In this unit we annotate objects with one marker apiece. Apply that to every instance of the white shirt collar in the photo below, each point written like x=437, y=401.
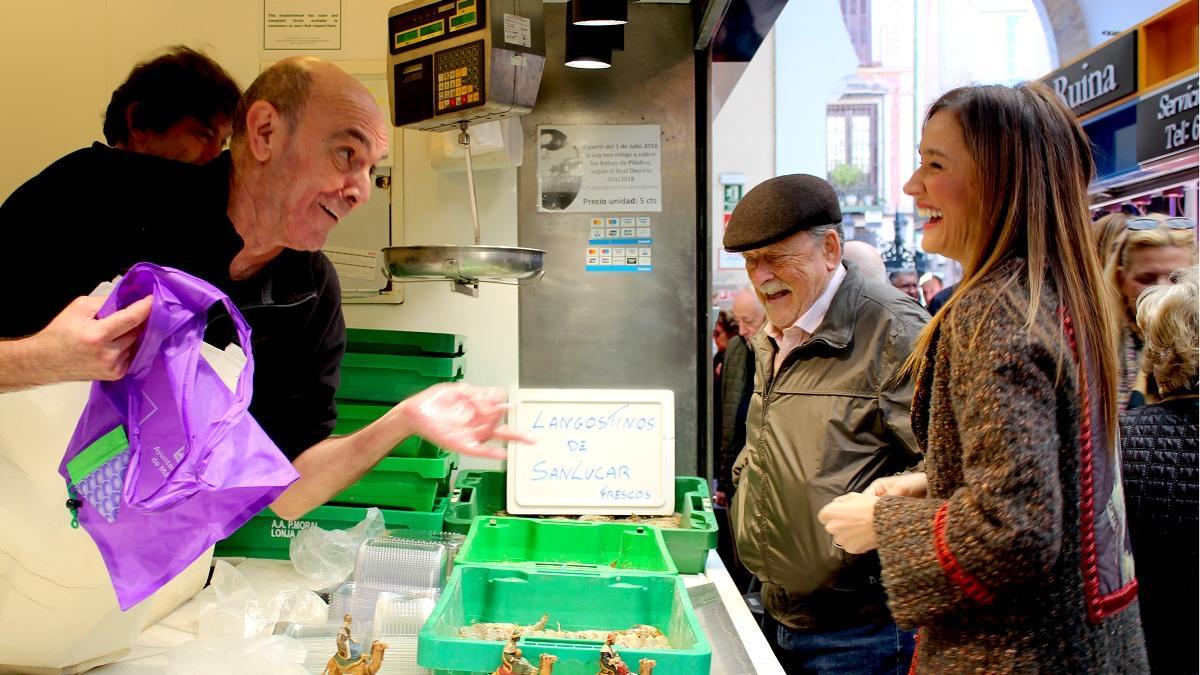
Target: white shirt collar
x=811, y=320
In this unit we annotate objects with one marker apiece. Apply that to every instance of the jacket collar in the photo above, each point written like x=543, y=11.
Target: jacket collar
x=838, y=327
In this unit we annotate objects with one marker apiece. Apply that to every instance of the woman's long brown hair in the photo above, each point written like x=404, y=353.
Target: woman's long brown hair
x=1033, y=164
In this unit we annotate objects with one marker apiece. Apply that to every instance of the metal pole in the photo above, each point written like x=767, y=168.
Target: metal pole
x=465, y=139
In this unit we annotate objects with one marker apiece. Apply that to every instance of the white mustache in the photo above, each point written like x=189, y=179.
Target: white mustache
x=774, y=286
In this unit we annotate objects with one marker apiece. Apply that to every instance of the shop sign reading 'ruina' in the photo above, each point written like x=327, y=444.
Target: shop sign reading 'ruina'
x=1168, y=120
x=1106, y=75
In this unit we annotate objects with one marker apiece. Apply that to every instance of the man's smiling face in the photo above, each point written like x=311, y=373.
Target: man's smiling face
x=325, y=170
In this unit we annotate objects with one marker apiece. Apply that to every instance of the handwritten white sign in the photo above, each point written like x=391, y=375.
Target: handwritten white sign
x=597, y=452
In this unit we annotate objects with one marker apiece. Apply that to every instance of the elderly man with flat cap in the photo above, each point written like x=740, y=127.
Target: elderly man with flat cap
x=829, y=414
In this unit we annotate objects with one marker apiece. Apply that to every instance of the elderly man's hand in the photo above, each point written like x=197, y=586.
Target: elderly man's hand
x=76, y=345
x=850, y=518
x=461, y=418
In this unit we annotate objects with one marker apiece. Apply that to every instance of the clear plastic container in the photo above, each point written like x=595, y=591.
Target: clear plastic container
x=398, y=621
x=402, y=563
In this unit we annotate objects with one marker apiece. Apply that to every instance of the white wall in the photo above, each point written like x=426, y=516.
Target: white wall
x=61, y=59
x=813, y=57
x=743, y=138
x=1102, y=15
x=435, y=210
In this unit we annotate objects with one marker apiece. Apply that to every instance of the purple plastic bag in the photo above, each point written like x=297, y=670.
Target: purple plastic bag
x=167, y=460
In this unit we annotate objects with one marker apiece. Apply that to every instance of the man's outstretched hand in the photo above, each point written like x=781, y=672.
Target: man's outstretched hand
x=461, y=418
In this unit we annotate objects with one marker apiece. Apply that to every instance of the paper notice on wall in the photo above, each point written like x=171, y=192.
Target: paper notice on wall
x=517, y=30
x=601, y=167
x=302, y=24
x=353, y=263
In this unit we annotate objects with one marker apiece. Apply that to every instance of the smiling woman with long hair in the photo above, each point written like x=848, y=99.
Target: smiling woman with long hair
x=1011, y=552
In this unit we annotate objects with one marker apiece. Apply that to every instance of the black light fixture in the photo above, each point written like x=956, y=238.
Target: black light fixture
x=613, y=36
x=587, y=47
x=598, y=12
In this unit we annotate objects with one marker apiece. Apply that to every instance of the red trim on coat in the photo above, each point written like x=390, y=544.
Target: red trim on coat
x=1099, y=606
x=912, y=668
x=972, y=587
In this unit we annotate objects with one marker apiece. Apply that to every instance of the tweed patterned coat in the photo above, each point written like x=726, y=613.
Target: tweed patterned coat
x=1000, y=565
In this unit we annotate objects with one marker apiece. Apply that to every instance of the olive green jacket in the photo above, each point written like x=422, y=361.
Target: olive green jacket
x=832, y=420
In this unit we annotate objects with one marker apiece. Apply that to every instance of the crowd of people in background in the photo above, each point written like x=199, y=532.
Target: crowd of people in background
x=1052, y=522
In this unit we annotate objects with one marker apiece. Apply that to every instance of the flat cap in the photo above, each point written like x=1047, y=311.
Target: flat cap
x=778, y=208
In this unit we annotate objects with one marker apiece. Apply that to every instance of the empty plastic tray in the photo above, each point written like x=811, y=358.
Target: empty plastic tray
x=483, y=493
x=401, y=342
x=412, y=483
x=385, y=378
x=634, y=549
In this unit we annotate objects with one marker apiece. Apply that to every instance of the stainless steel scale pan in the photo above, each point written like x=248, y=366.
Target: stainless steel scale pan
x=466, y=266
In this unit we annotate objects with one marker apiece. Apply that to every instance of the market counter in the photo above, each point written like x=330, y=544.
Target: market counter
x=738, y=645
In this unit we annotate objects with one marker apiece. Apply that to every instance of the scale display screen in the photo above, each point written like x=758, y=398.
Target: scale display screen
x=435, y=22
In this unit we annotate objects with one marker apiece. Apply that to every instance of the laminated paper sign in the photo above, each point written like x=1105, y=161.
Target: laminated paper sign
x=599, y=167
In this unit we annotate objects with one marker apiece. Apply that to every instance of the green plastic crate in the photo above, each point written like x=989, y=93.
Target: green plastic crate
x=476, y=493
x=268, y=536
x=385, y=378
x=574, y=601
x=483, y=493
x=628, y=547
x=410, y=483
x=690, y=543
x=402, y=342
x=354, y=415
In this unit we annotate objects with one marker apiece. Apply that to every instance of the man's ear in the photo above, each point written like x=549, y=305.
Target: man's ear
x=831, y=247
x=264, y=130
x=136, y=135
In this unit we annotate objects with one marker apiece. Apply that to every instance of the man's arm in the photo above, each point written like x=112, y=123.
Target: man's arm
x=457, y=417
x=74, y=346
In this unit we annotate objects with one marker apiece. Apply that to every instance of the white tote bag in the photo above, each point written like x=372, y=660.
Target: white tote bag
x=57, y=605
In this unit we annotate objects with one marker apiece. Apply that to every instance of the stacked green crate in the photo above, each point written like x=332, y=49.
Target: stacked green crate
x=483, y=493
x=411, y=485
x=380, y=369
x=269, y=536
x=389, y=366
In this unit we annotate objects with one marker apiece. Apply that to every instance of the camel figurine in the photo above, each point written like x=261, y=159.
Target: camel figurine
x=513, y=662
x=349, y=659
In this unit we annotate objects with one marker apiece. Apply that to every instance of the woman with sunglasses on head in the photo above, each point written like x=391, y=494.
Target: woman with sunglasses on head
x=1159, y=459
x=1010, y=553
x=1145, y=252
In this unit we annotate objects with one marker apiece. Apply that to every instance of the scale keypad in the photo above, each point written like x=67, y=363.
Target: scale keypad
x=459, y=77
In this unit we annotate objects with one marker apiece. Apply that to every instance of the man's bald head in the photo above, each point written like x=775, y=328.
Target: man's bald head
x=289, y=84
x=748, y=312
x=307, y=140
x=867, y=258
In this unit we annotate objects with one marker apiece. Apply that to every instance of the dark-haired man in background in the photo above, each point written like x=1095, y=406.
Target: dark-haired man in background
x=178, y=106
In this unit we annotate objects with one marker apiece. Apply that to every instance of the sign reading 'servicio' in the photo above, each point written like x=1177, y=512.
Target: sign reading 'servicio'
x=1168, y=120
x=1106, y=75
